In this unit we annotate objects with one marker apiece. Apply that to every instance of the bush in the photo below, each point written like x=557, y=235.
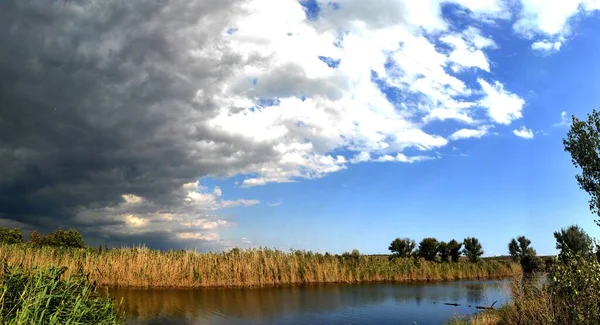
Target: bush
x=472, y=249
x=58, y=238
x=428, y=248
x=41, y=297
x=575, y=288
x=10, y=235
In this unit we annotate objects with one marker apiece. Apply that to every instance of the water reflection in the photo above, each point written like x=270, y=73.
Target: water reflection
x=392, y=303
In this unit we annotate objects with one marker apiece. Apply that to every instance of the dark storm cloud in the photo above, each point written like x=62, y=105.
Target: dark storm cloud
x=98, y=99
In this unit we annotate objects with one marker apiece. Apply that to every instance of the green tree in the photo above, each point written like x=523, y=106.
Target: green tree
x=58, y=238
x=573, y=239
x=10, y=235
x=443, y=251
x=521, y=251
x=402, y=247
x=428, y=248
x=454, y=248
x=473, y=249
x=583, y=143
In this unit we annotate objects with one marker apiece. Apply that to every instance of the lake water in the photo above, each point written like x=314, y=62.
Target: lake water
x=381, y=303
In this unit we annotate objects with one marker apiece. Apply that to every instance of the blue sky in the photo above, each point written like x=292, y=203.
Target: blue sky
x=318, y=125
x=494, y=188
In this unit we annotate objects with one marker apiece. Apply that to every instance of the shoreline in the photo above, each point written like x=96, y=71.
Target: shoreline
x=288, y=285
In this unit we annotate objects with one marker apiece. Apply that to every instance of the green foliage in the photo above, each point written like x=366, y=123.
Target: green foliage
x=454, y=249
x=574, y=240
x=521, y=251
x=42, y=297
x=428, y=248
x=402, y=247
x=58, y=238
x=472, y=249
x=575, y=288
x=583, y=143
x=10, y=235
x=443, y=251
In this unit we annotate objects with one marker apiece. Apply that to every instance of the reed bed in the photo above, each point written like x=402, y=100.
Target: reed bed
x=141, y=267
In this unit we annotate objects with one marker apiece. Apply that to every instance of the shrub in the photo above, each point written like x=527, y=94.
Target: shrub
x=10, y=235
x=402, y=247
x=58, y=238
x=575, y=288
x=428, y=248
x=454, y=250
x=42, y=297
x=472, y=249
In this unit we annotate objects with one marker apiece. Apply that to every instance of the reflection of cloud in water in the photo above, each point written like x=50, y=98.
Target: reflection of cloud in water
x=272, y=304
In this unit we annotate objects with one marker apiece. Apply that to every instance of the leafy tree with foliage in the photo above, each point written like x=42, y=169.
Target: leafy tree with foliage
x=521, y=251
x=10, y=235
x=443, y=251
x=402, y=247
x=573, y=239
x=583, y=143
x=58, y=238
x=428, y=248
x=454, y=248
x=473, y=249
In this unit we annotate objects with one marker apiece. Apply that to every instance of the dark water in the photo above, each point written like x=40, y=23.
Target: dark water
x=420, y=303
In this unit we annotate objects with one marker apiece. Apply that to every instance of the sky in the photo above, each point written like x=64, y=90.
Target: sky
x=318, y=125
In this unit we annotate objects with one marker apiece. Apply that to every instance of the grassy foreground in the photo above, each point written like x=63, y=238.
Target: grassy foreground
x=145, y=268
x=44, y=296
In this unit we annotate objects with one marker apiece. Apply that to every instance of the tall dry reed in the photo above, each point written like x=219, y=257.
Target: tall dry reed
x=146, y=268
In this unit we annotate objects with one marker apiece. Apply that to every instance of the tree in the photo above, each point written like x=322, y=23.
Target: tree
x=598, y=252
x=583, y=143
x=428, y=248
x=443, y=251
x=517, y=248
x=454, y=250
x=472, y=249
x=10, y=235
x=58, y=238
x=521, y=251
x=574, y=240
x=402, y=247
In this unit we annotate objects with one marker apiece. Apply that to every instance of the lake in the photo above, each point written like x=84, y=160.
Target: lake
x=379, y=303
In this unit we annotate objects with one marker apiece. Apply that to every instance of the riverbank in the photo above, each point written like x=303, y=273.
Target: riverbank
x=141, y=267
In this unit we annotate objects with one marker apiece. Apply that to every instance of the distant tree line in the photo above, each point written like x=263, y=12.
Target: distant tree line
x=431, y=250
x=570, y=241
x=57, y=238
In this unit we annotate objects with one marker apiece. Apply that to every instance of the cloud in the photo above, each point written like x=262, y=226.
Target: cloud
x=470, y=133
x=546, y=46
x=564, y=120
x=112, y=110
x=503, y=107
x=551, y=19
x=524, y=133
x=275, y=204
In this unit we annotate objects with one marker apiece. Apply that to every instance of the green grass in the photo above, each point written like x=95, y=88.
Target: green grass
x=46, y=296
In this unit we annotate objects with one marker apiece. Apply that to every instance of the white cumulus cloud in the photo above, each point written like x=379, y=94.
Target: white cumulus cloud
x=524, y=133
